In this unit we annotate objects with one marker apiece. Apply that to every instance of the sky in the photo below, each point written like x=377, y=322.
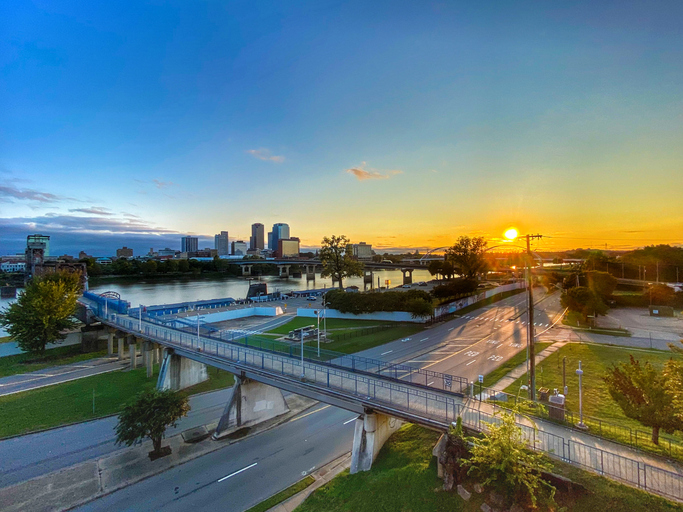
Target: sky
x=401, y=124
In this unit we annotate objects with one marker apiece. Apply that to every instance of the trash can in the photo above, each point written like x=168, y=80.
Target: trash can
x=543, y=394
x=556, y=407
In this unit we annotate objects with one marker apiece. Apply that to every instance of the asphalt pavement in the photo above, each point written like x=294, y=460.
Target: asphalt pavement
x=243, y=474
x=478, y=342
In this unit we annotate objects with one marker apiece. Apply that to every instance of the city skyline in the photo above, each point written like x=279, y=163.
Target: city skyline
x=431, y=121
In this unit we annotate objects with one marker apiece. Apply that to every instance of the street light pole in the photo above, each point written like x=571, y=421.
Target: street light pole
x=581, y=425
x=530, y=318
x=317, y=314
x=303, y=374
x=140, y=322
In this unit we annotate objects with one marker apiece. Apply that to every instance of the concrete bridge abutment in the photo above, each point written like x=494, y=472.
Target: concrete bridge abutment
x=178, y=372
x=284, y=270
x=310, y=272
x=407, y=275
x=250, y=403
x=372, y=430
x=246, y=270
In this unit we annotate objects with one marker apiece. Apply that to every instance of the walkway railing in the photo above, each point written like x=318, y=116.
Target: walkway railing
x=398, y=394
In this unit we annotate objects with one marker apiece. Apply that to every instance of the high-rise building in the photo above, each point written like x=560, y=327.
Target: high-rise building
x=270, y=240
x=239, y=248
x=280, y=231
x=362, y=251
x=221, y=244
x=124, y=252
x=37, y=248
x=189, y=244
x=287, y=248
x=256, y=240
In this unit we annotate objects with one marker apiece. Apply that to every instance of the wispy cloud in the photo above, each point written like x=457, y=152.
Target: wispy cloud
x=94, y=210
x=163, y=184
x=264, y=154
x=59, y=223
x=9, y=193
x=371, y=174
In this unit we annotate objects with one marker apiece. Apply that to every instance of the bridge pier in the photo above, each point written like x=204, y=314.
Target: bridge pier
x=133, y=348
x=407, y=275
x=119, y=342
x=110, y=341
x=178, y=372
x=371, y=432
x=368, y=277
x=284, y=270
x=250, y=403
x=148, y=357
x=310, y=272
x=246, y=270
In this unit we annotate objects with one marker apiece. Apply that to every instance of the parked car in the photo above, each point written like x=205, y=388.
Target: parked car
x=422, y=283
x=311, y=298
x=405, y=286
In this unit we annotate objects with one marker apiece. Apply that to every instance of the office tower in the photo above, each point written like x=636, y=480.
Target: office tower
x=287, y=248
x=256, y=240
x=280, y=231
x=239, y=248
x=270, y=240
x=362, y=251
x=124, y=252
x=37, y=248
x=221, y=244
x=189, y=244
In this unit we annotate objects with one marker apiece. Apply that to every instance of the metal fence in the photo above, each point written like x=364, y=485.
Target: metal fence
x=623, y=434
x=617, y=467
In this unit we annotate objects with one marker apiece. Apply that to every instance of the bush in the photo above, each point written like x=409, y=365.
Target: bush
x=417, y=302
x=455, y=288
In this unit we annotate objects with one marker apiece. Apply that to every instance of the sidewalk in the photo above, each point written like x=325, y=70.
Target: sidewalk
x=515, y=374
x=89, y=480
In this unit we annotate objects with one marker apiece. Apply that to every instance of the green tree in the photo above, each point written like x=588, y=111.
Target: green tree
x=335, y=256
x=602, y=283
x=43, y=311
x=183, y=266
x=583, y=300
x=149, y=415
x=435, y=267
x=641, y=393
x=467, y=256
x=502, y=461
x=149, y=267
x=660, y=295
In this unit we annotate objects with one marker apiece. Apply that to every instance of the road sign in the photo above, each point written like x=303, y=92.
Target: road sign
x=481, y=379
x=447, y=382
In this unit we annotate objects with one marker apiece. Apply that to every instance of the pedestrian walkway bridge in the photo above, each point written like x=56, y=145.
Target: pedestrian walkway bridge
x=367, y=386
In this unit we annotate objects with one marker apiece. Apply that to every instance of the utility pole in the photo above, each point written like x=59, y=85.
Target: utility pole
x=657, y=270
x=530, y=318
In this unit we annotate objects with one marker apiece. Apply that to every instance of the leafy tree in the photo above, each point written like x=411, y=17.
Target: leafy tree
x=435, y=267
x=148, y=416
x=467, y=256
x=602, y=283
x=455, y=288
x=502, y=461
x=335, y=256
x=641, y=392
x=660, y=294
x=43, y=311
x=149, y=267
x=584, y=301
x=183, y=266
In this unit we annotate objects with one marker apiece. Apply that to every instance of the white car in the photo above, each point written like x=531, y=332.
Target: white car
x=405, y=286
x=311, y=298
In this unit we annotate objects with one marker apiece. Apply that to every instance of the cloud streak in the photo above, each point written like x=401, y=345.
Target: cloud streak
x=372, y=174
x=264, y=154
x=9, y=193
x=94, y=210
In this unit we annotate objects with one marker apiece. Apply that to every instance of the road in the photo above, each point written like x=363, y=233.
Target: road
x=243, y=474
x=475, y=344
x=29, y=456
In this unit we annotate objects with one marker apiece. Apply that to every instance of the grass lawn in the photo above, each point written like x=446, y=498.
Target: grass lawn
x=343, y=333
x=5, y=339
x=596, y=400
x=73, y=401
x=575, y=319
x=403, y=478
x=23, y=363
x=511, y=364
x=282, y=495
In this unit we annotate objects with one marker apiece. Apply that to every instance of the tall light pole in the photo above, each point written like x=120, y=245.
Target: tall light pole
x=140, y=322
x=580, y=425
x=303, y=373
x=511, y=234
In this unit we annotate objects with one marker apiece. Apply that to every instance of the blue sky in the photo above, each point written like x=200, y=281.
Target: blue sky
x=403, y=124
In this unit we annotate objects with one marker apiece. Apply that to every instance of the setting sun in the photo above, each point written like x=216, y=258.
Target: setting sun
x=511, y=234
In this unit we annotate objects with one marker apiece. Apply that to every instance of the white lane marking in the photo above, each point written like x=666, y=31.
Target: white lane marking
x=424, y=339
x=430, y=383
x=349, y=421
x=423, y=361
x=451, y=328
x=387, y=352
x=406, y=339
x=472, y=361
x=309, y=413
x=237, y=472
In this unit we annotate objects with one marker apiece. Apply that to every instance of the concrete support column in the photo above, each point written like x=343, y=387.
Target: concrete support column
x=250, y=403
x=110, y=343
x=179, y=372
x=371, y=432
x=246, y=270
x=132, y=348
x=407, y=275
x=148, y=352
x=310, y=272
x=119, y=343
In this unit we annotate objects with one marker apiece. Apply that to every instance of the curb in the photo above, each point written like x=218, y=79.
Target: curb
x=322, y=476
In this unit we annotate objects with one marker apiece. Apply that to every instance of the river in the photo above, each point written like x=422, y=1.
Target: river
x=167, y=291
